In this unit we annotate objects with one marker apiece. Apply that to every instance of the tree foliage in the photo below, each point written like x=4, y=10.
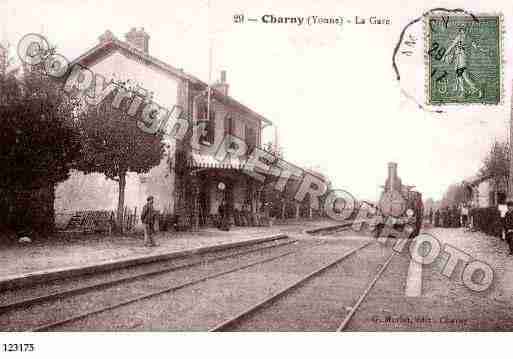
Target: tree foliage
x=455, y=195
x=114, y=145
x=40, y=144
x=496, y=163
x=38, y=132
x=271, y=148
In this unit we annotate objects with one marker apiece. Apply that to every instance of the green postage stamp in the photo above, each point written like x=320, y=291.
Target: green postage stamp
x=464, y=59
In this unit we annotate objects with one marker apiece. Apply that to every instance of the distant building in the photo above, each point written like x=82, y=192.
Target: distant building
x=486, y=191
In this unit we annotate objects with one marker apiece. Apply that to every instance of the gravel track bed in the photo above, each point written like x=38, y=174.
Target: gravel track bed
x=202, y=306
x=454, y=307
x=321, y=303
x=382, y=308
x=444, y=305
x=13, y=295
x=42, y=313
x=361, y=231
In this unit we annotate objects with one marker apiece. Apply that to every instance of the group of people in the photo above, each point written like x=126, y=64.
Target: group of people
x=508, y=226
x=450, y=216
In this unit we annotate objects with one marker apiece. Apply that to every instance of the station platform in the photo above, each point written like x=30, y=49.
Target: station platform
x=70, y=255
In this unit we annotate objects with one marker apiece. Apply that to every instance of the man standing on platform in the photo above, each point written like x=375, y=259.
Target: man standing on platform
x=437, y=217
x=508, y=226
x=464, y=215
x=148, y=219
x=225, y=216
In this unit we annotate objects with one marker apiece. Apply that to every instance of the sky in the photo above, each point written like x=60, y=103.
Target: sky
x=330, y=90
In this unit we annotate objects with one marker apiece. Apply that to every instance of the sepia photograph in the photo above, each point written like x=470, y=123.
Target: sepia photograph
x=169, y=168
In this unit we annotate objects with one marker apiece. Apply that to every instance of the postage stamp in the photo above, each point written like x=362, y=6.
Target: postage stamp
x=464, y=59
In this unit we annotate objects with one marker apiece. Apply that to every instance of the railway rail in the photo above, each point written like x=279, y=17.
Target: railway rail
x=253, y=310
x=125, y=279
x=148, y=295
x=26, y=303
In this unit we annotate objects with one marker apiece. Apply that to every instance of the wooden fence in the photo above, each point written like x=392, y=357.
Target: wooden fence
x=90, y=221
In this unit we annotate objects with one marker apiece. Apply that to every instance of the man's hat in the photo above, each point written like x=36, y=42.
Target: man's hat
x=509, y=202
x=149, y=198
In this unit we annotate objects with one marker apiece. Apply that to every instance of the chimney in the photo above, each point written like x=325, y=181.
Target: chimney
x=392, y=180
x=139, y=39
x=106, y=36
x=221, y=85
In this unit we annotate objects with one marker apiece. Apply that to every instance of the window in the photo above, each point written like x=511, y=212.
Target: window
x=251, y=139
x=491, y=198
x=229, y=130
x=208, y=134
x=501, y=198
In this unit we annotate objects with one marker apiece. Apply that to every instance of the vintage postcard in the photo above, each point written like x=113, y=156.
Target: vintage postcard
x=238, y=166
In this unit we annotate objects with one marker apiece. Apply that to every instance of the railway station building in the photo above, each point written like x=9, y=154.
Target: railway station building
x=189, y=182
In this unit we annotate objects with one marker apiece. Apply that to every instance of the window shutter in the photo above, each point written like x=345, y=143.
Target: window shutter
x=209, y=134
x=228, y=125
x=211, y=127
x=250, y=138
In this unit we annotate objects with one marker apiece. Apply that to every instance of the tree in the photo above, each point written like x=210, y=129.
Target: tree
x=455, y=195
x=271, y=148
x=496, y=163
x=113, y=144
x=40, y=144
x=429, y=204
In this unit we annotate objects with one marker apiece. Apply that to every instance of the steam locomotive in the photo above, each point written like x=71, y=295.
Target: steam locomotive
x=399, y=206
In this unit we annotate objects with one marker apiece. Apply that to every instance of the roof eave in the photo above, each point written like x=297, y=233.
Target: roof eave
x=82, y=60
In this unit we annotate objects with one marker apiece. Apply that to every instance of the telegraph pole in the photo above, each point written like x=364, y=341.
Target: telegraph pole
x=4, y=51
x=510, y=176
x=209, y=64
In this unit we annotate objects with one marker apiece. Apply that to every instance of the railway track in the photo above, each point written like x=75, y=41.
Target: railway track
x=362, y=297
x=267, y=303
x=27, y=303
x=59, y=294
x=148, y=295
